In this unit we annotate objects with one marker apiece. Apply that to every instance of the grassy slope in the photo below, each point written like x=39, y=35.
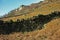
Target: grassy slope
x=45, y=8
x=50, y=32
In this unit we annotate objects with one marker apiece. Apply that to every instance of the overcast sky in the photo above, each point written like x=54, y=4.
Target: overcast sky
x=8, y=5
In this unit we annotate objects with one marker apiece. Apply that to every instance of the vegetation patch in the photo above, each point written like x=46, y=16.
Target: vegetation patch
x=27, y=25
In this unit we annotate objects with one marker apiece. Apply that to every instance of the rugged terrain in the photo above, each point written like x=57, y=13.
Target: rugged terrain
x=38, y=21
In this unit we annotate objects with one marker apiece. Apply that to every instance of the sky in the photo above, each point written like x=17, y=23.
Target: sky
x=8, y=5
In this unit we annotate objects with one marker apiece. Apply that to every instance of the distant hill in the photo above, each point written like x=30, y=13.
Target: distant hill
x=28, y=11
